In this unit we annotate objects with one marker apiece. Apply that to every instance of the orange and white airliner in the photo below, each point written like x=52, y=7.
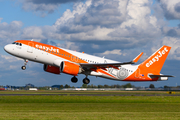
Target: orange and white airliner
x=59, y=60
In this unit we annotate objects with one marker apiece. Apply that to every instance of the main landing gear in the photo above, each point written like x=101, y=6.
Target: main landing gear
x=74, y=79
x=24, y=66
x=85, y=80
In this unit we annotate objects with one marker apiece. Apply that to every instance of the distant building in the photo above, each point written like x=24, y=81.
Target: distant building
x=35, y=89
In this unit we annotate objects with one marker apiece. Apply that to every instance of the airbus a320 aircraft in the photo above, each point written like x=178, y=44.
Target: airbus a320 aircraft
x=59, y=60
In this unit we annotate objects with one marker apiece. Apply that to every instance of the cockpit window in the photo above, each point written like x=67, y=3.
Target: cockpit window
x=19, y=44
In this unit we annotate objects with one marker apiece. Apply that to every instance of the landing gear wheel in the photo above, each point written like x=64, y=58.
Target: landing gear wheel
x=74, y=79
x=86, y=81
x=25, y=63
x=23, y=67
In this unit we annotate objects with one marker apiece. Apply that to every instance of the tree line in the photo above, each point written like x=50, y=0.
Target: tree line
x=128, y=85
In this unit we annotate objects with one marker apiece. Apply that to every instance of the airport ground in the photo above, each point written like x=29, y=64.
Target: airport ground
x=89, y=105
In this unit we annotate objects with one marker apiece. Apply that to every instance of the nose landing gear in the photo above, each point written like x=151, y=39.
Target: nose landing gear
x=24, y=66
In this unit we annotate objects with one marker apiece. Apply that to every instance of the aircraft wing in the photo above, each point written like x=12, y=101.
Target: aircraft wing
x=103, y=65
x=89, y=66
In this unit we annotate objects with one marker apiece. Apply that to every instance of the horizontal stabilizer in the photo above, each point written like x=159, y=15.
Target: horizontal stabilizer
x=161, y=76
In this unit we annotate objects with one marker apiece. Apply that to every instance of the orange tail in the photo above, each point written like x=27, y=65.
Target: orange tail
x=155, y=62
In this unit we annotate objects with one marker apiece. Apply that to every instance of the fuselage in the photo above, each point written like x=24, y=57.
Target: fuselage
x=52, y=55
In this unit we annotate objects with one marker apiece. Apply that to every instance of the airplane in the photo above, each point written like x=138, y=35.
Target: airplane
x=59, y=60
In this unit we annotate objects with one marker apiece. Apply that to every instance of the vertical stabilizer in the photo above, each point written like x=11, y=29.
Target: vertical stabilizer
x=156, y=61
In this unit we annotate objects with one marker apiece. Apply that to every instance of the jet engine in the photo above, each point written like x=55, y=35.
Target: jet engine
x=51, y=69
x=70, y=68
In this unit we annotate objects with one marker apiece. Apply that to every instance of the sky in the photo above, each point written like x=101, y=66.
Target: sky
x=116, y=29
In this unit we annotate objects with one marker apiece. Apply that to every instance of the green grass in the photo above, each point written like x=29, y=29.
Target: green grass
x=89, y=107
x=89, y=92
x=59, y=107
x=89, y=99
x=83, y=111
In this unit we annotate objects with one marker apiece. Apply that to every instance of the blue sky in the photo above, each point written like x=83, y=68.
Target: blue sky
x=97, y=27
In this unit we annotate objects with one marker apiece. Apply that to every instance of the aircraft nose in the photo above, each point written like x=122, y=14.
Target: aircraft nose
x=7, y=48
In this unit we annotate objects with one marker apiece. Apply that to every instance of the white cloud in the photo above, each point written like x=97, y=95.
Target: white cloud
x=43, y=7
x=174, y=43
x=128, y=22
x=171, y=31
x=9, y=32
x=171, y=8
x=33, y=33
x=115, y=52
x=105, y=25
x=95, y=46
x=69, y=45
x=9, y=62
x=10, y=58
x=0, y=19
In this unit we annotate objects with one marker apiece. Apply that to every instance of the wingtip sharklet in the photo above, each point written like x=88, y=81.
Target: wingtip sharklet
x=135, y=60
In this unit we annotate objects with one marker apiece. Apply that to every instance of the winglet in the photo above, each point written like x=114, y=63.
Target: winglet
x=137, y=58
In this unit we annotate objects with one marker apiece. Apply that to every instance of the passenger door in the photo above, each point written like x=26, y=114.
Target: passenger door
x=30, y=47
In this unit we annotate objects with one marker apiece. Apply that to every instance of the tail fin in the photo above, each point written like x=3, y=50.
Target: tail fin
x=156, y=61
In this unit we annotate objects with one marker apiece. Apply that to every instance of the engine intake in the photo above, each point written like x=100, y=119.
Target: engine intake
x=70, y=68
x=51, y=69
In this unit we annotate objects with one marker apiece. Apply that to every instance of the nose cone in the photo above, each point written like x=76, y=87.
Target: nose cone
x=7, y=48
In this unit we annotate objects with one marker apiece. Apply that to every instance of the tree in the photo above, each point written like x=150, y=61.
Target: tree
x=61, y=86
x=67, y=86
x=100, y=86
x=128, y=85
x=84, y=86
x=151, y=86
x=119, y=86
x=106, y=86
x=166, y=87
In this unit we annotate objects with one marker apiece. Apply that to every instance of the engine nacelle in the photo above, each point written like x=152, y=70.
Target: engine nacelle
x=51, y=69
x=70, y=68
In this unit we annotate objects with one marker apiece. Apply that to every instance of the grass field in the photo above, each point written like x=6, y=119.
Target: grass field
x=89, y=107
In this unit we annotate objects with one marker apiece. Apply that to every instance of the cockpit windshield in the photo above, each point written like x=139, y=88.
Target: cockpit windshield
x=19, y=44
